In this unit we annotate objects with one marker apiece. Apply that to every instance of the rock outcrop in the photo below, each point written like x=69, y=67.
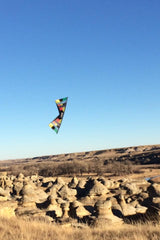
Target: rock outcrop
x=93, y=200
x=104, y=214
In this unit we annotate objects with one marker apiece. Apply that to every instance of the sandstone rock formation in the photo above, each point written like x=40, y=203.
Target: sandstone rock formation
x=104, y=214
x=93, y=200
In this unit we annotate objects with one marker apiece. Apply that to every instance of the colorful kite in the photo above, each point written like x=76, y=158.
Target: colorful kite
x=61, y=105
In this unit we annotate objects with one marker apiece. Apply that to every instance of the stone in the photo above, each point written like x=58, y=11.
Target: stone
x=104, y=214
x=3, y=176
x=142, y=184
x=84, y=200
x=141, y=209
x=156, y=202
x=32, y=195
x=65, y=210
x=156, y=188
x=78, y=210
x=144, y=195
x=28, y=211
x=8, y=183
x=132, y=188
x=59, y=181
x=17, y=187
x=67, y=193
x=20, y=177
x=4, y=193
x=81, y=183
x=55, y=186
x=97, y=189
x=34, y=178
x=155, y=179
x=7, y=209
x=126, y=209
x=73, y=183
x=110, y=184
x=54, y=206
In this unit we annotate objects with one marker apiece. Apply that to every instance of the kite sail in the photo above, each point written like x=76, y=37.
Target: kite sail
x=61, y=105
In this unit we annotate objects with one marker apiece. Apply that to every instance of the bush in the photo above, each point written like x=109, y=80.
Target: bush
x=120, y=168
x=67, y=168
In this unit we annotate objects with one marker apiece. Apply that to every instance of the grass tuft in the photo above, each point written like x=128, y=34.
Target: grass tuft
x=18, y=229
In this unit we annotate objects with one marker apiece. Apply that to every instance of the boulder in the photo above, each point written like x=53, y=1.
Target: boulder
x=140, y=209
x=156, y=188
x=7, y=209
x=8, y=183
x=34, y=178
x=81, y=183
x=59, y=181
x=67, y=193
x=17, y=187
x=104, y=214
x=32, y=195
x=28, y=212
x=132, y=188
x=20, y=177
x=97, y=189
x=111, y=184
x=156, y=202
x=115, y=206
x=65, y=211
x=54, y=206
x=55, y=186
x=142, y=184
x=155, y=179
x=73, y=183
x=126, y=209
x=144, y=195
x=78, y=210
x=4, y=193
x=3, y=176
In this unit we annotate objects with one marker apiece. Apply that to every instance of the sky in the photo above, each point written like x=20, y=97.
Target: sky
x=103, y=55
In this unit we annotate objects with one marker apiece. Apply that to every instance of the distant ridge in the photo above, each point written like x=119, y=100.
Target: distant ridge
x=146, y=154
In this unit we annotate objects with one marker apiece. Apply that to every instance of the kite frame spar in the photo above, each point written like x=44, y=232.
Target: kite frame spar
x=61, y=105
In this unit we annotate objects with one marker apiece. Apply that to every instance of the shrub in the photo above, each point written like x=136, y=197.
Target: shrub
x=120, y=168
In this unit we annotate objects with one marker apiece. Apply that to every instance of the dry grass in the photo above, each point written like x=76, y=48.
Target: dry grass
x=138, y=161
x=32, y=230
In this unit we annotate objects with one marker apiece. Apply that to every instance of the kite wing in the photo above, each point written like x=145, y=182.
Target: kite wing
x=61, y=105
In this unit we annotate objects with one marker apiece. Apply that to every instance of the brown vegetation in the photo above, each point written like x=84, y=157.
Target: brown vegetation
x=73, y=168
x=32, y=230
x=113, y=162
x=43, y=207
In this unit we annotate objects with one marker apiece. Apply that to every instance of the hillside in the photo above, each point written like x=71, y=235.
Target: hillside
x=125, y=160
x=101, y=194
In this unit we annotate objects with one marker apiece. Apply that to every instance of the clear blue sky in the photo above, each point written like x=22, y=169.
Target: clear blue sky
x=104, y=55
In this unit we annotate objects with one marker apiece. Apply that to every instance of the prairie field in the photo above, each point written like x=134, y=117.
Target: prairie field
x=133, y=163
x=18, y=229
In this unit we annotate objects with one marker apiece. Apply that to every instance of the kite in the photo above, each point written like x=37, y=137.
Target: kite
x=61, y=105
